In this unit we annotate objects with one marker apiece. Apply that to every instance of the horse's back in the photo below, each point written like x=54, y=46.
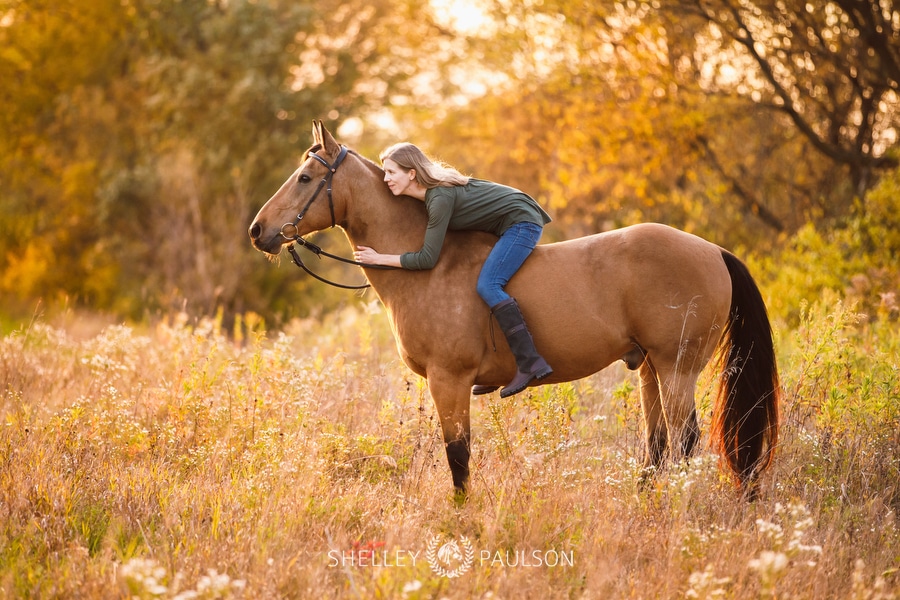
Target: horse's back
x=591, y=299
x=632, y=263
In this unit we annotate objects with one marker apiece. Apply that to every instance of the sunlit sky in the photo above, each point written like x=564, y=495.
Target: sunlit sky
x=465, y=16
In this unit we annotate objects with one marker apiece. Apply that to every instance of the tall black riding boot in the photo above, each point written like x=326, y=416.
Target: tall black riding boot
x=531, y=365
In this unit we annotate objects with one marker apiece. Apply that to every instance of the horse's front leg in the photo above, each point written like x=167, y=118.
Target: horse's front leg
x=450, y=392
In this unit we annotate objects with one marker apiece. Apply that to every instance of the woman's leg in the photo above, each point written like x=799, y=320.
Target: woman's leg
x=502, y=263
x=505, y=258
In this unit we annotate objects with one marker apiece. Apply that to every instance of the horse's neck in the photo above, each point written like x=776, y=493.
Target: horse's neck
x=396, y=224
x=376, y=218
x=389, y=225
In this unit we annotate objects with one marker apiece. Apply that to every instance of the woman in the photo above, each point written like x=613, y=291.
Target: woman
x=454, y=201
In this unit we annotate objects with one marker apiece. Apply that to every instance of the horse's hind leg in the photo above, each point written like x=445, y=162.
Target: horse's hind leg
x=677, y=388
x=670, y=418
x=451, y=398
x=655, y=434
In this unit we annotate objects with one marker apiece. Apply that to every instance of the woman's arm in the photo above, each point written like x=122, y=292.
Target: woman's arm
x=439, y=212
x=368, y=256
x=440, y=205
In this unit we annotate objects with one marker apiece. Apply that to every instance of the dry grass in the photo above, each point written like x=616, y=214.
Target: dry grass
x=182, y=462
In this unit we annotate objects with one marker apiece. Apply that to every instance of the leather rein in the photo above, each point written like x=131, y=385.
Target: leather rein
x=326, y=181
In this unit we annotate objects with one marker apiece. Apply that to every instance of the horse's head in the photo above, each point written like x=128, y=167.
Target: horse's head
x=305, y=202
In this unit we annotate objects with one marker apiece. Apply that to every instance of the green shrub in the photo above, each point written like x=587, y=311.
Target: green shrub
x=858, y=259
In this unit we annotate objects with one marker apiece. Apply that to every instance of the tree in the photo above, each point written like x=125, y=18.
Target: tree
x=633, y=113
x=833, y=69
x=140, y=136
x=595, y=121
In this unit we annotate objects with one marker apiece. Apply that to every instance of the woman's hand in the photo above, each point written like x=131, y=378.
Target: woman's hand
x=368, y=256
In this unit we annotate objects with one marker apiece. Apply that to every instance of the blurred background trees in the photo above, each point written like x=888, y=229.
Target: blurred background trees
x=139, y=137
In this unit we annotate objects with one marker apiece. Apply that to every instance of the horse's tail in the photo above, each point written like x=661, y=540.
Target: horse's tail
x=745, y=416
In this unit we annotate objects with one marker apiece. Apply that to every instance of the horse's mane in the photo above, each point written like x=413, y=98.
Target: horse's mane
x=367, y=161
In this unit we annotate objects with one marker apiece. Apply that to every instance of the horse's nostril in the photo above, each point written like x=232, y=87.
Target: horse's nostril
x=255, y=230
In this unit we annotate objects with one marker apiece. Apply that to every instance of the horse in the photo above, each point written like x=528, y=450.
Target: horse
x=664, y=301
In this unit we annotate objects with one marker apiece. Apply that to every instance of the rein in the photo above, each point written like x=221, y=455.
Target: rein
x=327, y=180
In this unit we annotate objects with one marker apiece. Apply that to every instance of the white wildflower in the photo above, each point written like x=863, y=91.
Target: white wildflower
x=705, y=584
x=769, y=562
x=145, y=576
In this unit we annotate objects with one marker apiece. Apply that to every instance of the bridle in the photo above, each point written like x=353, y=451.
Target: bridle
x=295, y=237
x=329, y=177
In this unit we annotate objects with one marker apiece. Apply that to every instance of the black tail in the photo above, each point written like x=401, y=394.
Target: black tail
x=745, y=416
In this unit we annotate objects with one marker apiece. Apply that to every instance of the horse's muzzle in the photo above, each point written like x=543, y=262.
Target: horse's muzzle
x=271, y=246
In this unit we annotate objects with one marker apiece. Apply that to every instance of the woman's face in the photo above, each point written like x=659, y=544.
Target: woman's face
x=398, y=179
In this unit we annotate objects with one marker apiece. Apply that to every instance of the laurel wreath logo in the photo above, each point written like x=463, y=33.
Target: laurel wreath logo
x=440, y=558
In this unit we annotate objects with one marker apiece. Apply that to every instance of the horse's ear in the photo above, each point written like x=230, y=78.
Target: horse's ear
x=317, y=129
x=328, y=141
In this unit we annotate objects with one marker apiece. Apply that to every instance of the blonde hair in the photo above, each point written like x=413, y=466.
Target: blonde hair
x=429, y=173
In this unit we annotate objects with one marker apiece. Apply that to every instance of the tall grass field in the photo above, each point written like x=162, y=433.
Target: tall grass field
x=181, y=460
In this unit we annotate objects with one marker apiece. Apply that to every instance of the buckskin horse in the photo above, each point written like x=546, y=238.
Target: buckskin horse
x=662, y=300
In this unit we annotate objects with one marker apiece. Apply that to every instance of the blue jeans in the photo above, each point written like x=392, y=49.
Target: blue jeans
x=508, y=254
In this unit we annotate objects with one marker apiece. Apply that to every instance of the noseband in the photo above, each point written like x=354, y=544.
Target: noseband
x=295, y=237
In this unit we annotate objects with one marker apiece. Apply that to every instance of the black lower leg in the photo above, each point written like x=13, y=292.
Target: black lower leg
x=458, y=457
x=691, y=435
x=657, y=445
x=655, y=453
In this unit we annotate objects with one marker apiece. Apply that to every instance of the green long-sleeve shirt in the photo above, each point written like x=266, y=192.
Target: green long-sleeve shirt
x=479, y=205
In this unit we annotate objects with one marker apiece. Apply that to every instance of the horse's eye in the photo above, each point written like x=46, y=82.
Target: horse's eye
x=304, y=179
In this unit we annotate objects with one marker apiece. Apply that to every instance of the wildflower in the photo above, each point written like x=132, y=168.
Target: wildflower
x=866, y=590
x=705, y=584
x=769, y=562
x=771, y=566
x=412, y=586
x=772, y=530
x=145, y=576
x=213, y=585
